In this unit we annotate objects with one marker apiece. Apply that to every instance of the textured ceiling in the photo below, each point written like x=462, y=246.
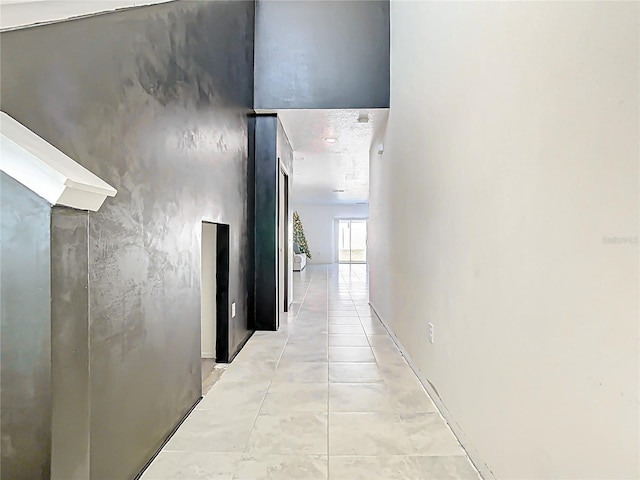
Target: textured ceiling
x=320, y=167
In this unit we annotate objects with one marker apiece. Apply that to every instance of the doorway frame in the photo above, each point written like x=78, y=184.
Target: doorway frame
x=284, y=302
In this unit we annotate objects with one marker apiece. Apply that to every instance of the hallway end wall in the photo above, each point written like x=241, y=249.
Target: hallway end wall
x=318, y=221
x=505, y=211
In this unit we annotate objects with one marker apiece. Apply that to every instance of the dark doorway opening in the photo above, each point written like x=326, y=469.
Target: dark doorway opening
x=214, y=299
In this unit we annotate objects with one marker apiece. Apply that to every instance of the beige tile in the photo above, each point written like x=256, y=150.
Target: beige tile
x=304, y=353
x=337, y=305
x=374, y=328
x=373, y=468
x=258, y=353
x=351, y=354
x=367, y=434
x=355, y=373
x=429, y=434
x=445, y=468
x=409, y=394
x=282, y=467
x=398, y=372
x=365, y=310
x=213, y=431
x=308, y=339
x=192, y=466
x=303, y=329
x=343, y=313
x=248, y=372
x=360, y=397
x=345, y=329
x=385, y=355
x=301, y=372
x=289, y=433
x=348, y=341
x=242, y=396
x=295, y=397
x=344, y=321
x=381, y=340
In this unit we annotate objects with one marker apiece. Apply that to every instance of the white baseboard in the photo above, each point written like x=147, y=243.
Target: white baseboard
x=472, y=453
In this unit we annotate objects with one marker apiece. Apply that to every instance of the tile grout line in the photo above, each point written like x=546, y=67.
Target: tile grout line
x=328, y=370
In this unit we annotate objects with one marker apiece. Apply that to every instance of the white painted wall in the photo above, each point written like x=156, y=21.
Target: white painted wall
x=511, y=160
x=320, y=230
x=208, y=290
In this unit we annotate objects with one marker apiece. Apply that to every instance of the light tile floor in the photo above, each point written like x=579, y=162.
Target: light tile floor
x=329, y=396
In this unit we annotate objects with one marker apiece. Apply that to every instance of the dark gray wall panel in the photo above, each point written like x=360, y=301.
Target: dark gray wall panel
x=271, y=147
x=266, y=226
x=155, y=101
x=25, y=333
x=322, y=54
x=69, y=345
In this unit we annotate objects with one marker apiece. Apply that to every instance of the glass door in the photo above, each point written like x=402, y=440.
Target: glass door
x=352, y=241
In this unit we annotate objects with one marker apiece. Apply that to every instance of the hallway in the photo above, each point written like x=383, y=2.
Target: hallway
x=327, y=396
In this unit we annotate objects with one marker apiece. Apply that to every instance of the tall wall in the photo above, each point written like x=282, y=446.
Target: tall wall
x=25, y=332
x=510, y=175
x=154, y=101
x=319, y=222
x=322, y=54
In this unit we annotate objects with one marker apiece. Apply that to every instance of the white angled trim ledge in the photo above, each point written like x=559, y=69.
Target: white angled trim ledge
x=47, y=171
x=16, y=14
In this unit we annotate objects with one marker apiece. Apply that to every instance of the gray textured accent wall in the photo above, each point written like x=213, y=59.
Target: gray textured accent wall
x=25, y=333
x=154, y=101
x=322, y=54
x=70, y=408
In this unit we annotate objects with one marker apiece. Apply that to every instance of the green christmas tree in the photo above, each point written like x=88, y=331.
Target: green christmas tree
x=298, y=235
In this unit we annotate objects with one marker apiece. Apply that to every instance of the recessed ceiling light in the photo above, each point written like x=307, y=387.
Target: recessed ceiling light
x=331, y=140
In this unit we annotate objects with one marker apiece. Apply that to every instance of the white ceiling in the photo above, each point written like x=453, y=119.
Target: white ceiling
x=320, y=167
x=22, y=13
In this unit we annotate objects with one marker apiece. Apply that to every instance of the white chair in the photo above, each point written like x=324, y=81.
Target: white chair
x=299, y=262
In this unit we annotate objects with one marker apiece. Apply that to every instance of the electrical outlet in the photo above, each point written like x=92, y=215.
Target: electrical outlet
x=431, y=332
x=233, y=311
